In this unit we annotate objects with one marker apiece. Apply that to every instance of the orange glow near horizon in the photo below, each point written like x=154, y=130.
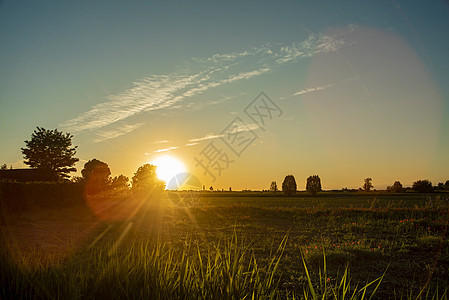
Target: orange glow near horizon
x=168, y=167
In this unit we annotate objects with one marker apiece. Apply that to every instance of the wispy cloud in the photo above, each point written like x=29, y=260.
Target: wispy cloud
x=209, y=136
x=171, y=90
x=147, y=94
x=161, y=142
x=169, y=148
x=103, y=135
x=166, y=149
x=322, y=87
x=237, y=55
x=198, y=106
x=246, y=75
x=242, y=127
x=314, y=89
x=313, y=45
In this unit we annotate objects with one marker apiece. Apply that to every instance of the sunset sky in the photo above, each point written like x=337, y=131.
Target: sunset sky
x=351, y=89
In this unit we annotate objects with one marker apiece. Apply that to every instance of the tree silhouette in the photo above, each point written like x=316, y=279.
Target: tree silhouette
x=397, y=187
x=289, y=185
x=273, y=187
x=96, y=174
x=422, y=186
x=120, y=183
x=367, y=186
x=4, y=167
x=145, y=179
x=313, y=184
x=51, y=152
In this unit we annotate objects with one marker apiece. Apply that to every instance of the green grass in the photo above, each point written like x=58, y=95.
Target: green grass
x=160, y=272
x=187, y=246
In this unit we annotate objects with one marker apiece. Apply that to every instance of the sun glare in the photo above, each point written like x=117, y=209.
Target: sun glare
x=168, y=167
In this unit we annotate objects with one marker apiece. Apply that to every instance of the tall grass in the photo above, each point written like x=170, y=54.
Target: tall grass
x=146, y=271
x=339, y=289
x=228, y=270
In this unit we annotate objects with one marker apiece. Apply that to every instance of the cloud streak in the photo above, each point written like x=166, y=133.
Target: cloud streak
x=322, y=87
x=191, y=144
x=103, y=135
x=166, y=149
x=314, y=89
x=209, y=136
x=171, y=90
x=161, y=142
x=241, y=127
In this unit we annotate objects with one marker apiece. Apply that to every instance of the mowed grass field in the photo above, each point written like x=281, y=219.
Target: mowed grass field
x=230, y=245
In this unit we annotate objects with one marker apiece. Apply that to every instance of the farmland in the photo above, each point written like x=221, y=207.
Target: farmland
x=229, y=245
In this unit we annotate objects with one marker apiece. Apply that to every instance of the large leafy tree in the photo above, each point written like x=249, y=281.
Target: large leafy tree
x=96, y=174
x=289, y=185
x=145, y=178
x=313, y=184
x=52, y=152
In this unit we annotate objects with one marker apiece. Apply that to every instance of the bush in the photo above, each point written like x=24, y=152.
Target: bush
x=422, y=186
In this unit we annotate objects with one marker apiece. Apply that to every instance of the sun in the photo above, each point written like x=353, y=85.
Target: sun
x=168, y=167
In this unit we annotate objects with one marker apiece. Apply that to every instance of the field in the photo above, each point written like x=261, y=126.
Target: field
x=229, y=245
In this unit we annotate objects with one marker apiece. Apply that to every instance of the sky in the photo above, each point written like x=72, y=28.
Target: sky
x=243, y=93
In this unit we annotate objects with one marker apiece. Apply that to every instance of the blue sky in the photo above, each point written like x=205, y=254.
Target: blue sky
x=362, y=85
